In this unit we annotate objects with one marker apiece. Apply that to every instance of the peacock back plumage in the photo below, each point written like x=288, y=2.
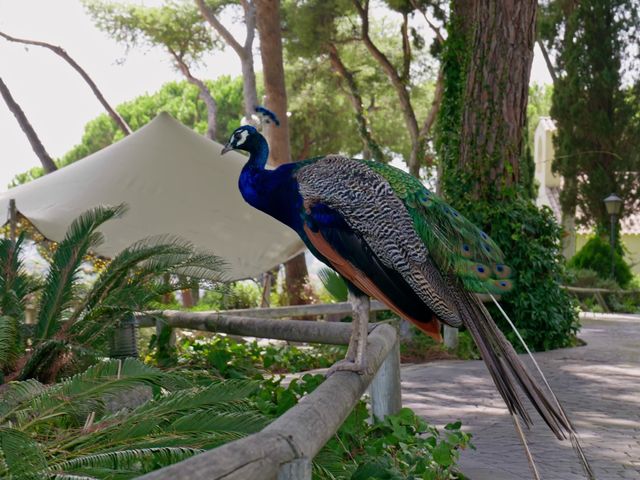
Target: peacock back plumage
x=456, y=245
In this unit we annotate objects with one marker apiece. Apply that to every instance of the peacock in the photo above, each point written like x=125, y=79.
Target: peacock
x=392, y=239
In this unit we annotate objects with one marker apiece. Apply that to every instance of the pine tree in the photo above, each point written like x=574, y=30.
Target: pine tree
x=595, y=104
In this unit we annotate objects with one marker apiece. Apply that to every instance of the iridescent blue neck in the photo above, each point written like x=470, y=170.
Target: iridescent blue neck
x=258, y=151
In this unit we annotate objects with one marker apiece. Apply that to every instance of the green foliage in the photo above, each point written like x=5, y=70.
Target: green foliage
x=78, y=426
x=530, y=238
x=231, y=296
x=176, y=26
x=595, y=255
x=326, y=122
x=595, y=103
x=400, y=447
x=81, y=237
x=15, y=286
x=233, y=359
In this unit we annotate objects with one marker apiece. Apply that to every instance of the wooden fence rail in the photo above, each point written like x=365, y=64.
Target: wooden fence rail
x=598, y=294
x=284, y=450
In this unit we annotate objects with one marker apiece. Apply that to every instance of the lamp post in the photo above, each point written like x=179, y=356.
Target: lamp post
x=613, y=203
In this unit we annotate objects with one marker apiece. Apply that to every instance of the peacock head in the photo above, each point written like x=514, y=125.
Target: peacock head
x=243, y=138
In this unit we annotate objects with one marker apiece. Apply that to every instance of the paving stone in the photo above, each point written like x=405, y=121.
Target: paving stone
x=599, y=385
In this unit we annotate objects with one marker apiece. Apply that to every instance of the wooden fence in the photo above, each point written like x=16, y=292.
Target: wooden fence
x=598, y=294
x=285, y=449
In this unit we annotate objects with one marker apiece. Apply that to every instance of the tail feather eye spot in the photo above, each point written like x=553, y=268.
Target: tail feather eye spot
x=502, y=271
x=466, y=250
x=480, y=270
x=486, y=247
x=424, y=199
x=484, y=236
x=503, y=285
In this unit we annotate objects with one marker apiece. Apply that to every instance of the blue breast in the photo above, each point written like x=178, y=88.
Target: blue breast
x=275, y=192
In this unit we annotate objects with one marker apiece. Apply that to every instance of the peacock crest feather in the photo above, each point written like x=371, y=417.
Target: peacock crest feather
x=456, y=244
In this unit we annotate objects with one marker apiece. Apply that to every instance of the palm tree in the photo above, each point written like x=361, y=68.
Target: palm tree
x=73, y=325
x=76, y=429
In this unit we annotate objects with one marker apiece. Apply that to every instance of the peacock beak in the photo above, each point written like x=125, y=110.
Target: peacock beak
x=228, y=147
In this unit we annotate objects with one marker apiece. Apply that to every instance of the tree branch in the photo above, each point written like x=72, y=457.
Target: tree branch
x=406, y=48
x=46, y=161
x=210, y=17
x=370, y=146
x=547, y=60
x=435, y=105
x=432, y=26
x=205, y=94
x=245, y=53
x=389, y=69
x=94, y=88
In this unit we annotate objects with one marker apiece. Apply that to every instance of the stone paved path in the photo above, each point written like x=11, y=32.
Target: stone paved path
x=599, y=385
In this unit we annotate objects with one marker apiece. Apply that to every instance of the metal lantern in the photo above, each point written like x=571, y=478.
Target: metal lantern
x=124, y=341
x=613, y=204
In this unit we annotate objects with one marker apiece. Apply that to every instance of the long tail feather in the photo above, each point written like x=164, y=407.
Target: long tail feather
x=573, y=434
x=507, y=371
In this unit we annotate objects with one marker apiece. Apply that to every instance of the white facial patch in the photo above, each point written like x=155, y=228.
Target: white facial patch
x=243, y=137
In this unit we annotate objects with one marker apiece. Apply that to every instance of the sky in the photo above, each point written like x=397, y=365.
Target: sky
x=56, y=100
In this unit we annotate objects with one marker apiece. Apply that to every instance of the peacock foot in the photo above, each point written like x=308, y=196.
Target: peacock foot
x=347, y=365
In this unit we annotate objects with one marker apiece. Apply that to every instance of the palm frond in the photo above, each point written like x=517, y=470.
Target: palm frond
x=131, y=281
x=17, y=393
x=70, y=401
x=70, y=476
x=9, y=338
x=22, y=456
x=134, y=460
x=334, y=284
x=238, y=422
x=57, y=293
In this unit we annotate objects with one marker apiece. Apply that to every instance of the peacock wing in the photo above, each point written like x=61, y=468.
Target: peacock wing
x=456, y=244
x=369, y=207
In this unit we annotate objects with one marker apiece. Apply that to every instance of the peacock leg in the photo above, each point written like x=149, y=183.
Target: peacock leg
x=355, y=360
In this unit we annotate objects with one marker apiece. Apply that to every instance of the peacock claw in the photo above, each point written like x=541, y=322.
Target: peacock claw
x=347, y=366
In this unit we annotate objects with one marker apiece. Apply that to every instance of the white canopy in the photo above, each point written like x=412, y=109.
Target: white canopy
x=174, y=181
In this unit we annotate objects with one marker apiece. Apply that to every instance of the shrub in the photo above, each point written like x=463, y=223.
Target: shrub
x=596, y=255
x=543, y=312
x=233, y=359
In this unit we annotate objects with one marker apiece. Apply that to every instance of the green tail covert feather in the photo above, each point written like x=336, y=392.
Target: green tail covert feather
x=456, y=244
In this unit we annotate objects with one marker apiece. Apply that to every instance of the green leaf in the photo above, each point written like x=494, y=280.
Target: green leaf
x=22, y=455
x=442, y=454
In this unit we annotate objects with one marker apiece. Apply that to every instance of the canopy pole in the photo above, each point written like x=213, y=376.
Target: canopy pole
x=13, y=220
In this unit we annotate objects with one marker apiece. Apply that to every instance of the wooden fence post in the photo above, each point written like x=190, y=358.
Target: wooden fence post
x=385, y=390
x=298, y=469
x=450, y=337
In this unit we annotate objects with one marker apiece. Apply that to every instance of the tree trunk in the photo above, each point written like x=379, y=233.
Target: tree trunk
x=297, y=279
x=269, y=29
x=249, y=89
x=496, y=93
x=244, y=52
x=47, y=162
x=61, y=52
